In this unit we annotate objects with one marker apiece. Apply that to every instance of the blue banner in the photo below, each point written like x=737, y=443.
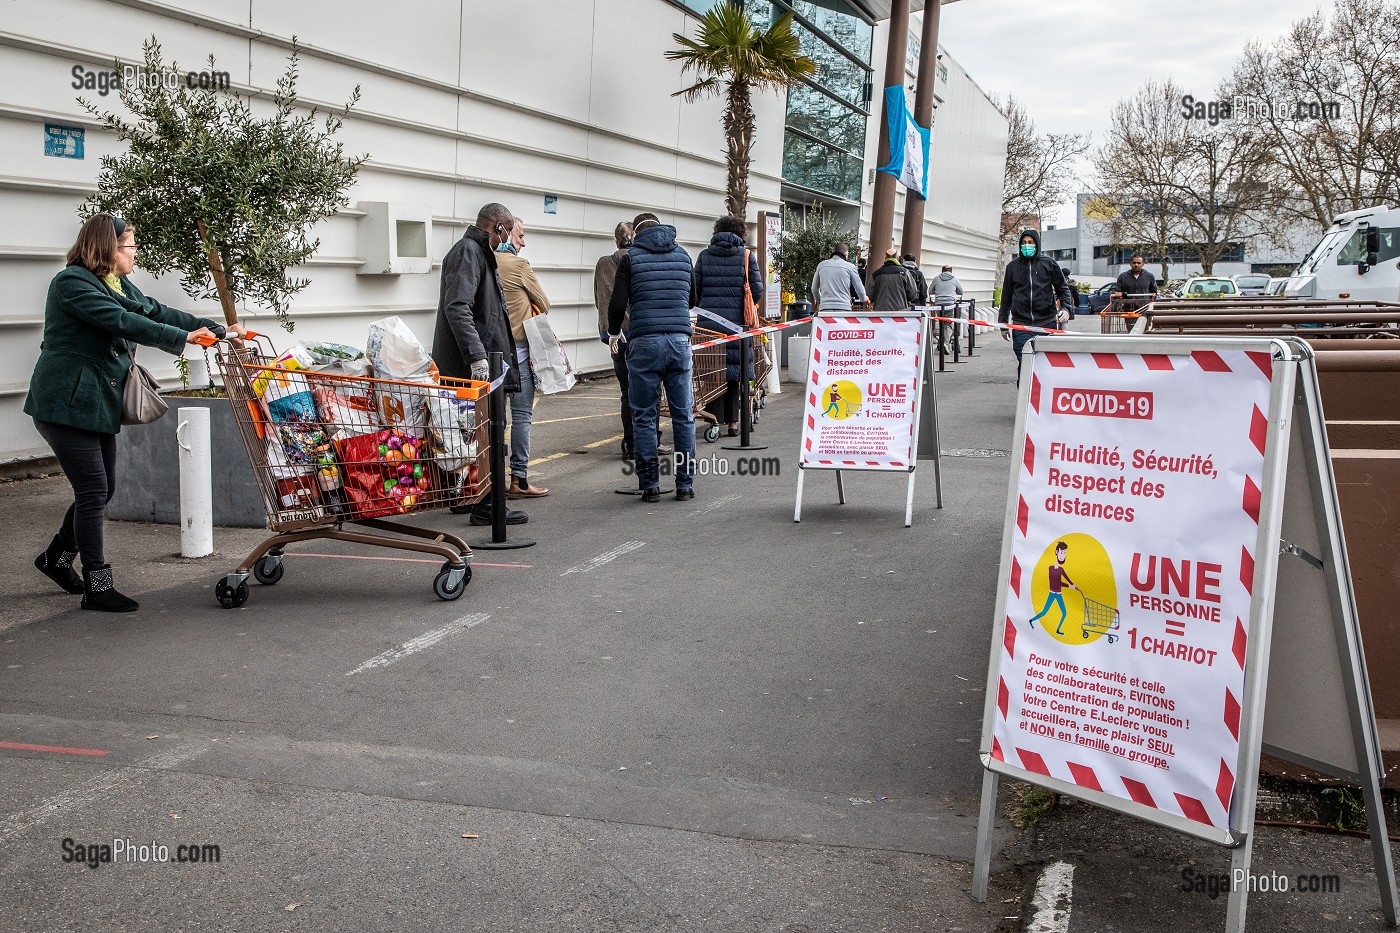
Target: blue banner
x=909, y=143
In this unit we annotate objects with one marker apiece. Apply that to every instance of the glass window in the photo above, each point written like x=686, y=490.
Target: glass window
x=835, y=72
x=838, y=20
x=817, y=115
x=701, y=6
x=817, y=166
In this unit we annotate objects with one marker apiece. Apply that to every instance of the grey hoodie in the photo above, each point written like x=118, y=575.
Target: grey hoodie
x=833, y=284
x=946, y=289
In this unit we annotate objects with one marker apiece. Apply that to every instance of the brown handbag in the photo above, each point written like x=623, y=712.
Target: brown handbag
x=750, y=310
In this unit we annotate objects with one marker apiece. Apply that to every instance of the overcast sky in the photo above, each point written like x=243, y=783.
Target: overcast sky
x=1070, y=61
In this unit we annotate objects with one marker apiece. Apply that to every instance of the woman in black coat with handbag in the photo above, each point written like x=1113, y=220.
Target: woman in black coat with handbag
x=93, y=319
x=722, y=272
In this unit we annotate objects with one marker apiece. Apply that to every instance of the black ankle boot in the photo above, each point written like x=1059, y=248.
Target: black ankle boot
x=56, y=563
x=100, y=595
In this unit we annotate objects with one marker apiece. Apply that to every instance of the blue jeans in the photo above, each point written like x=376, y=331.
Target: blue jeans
x=522, y=411
x=1051, y=601
x=654, y=361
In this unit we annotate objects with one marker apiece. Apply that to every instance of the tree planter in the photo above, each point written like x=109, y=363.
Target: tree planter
x=148, y=470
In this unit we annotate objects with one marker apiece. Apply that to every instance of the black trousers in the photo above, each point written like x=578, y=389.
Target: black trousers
x=619, y=361
x=89, y=460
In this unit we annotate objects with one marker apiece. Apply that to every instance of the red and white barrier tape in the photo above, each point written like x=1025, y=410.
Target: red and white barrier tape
x=750, y=333
x=991, y=325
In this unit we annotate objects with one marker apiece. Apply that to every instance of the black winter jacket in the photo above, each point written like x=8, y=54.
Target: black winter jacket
x=472, y=319
x=1031, y=287
x=717, y=285
x=892, y=288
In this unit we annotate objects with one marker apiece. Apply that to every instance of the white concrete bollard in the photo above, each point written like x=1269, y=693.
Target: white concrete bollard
x=196, y=483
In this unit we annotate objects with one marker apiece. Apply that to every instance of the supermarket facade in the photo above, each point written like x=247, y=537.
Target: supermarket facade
x=561, y=110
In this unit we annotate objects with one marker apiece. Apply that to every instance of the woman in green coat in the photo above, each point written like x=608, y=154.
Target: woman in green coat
x=93, y=320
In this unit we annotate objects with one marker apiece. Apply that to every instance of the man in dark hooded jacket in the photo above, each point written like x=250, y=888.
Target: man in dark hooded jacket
x=652, y=289
x=1033, y=293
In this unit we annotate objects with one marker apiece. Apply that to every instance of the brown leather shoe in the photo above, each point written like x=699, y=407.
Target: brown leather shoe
x=521, y=489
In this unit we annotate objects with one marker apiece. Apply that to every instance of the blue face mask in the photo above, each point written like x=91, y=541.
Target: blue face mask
x=506, y=247
x=1028, y=250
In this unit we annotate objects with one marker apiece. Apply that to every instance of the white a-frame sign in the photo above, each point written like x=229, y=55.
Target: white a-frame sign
x=1175, y=596
x=870, y=401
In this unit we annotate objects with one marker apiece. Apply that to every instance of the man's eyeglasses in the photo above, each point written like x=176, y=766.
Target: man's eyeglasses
x=131, y=246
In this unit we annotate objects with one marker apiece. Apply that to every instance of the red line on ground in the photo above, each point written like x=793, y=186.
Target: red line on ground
x=26, y=747
x=411, y=560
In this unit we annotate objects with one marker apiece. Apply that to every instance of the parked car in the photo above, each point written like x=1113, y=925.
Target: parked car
x=1253, y=283
x=1209, y=286
x=1098, y=298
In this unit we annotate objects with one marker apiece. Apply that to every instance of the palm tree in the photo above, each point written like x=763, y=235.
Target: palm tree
x=730, y=56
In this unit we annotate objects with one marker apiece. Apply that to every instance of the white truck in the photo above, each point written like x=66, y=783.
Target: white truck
x=1358, y=258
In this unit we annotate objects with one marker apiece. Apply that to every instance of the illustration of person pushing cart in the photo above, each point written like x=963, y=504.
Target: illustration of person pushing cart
x=1058, y=580
x=833, y=403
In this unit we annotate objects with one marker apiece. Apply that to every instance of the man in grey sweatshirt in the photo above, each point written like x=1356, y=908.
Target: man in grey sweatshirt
x=946, y=292
x=835, y=282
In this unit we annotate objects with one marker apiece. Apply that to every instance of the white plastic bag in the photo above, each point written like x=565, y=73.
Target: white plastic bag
x=395, y=354
x=552, y=370
x=452, y=429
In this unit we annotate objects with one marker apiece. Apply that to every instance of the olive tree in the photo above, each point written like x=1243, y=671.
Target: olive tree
x=221, y=196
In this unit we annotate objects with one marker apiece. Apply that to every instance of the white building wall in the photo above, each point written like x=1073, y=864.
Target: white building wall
x=462, y=103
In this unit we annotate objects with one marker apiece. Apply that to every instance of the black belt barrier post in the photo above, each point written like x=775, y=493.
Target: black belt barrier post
x=745, y=398
x=496, y=411
x=971, y=329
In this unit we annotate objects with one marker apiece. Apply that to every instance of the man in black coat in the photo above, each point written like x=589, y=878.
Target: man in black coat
x=920, y=280
x=1033, y=293
x=472, y=320
x=1135, y=280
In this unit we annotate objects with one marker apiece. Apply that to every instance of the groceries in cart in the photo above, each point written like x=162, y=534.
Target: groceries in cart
x=337, y=433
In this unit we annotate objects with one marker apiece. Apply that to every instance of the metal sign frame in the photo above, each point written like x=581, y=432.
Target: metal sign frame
x=1299, y=516
x=923, y=445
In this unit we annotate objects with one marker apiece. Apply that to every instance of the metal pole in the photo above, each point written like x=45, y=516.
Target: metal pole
x=971, y=329
x=196, y=487
x=496, y=411
x=913, y=236
x=745, y=398
x=882, y=215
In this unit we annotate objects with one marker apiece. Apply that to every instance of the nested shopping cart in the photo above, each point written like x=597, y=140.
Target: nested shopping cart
x=1099, y=619
x=337, y=454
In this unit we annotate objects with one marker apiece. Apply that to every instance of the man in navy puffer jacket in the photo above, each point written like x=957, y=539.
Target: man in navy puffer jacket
x=717, y=286
x=653, y=288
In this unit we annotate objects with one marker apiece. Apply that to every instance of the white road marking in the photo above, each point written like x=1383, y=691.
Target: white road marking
x=605, y=557
x=422, y=642
x=722, y=500
x=86, y=792
x=1051, y=900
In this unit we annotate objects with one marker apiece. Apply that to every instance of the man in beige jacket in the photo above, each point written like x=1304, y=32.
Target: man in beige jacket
x=523, y=294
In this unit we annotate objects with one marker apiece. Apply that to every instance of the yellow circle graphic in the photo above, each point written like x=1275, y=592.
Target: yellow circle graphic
x=1086, y=607
x=841, y=400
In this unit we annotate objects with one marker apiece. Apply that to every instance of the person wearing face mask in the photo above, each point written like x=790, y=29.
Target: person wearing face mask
x=472, y=319
x=523, y=292
x=94, y=318
x=1033, y=294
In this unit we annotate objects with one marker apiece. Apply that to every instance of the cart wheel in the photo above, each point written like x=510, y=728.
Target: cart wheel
x=754, y=419
x=712, y=433
x=269, y=569
x=445, y=592
x=763, y=401
x=231, y=597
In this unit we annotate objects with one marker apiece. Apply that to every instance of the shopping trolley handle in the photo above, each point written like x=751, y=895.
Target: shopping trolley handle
x=220, y=333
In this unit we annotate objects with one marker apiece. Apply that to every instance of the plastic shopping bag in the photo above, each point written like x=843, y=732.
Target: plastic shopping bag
x=396, y=354
x=452, y=429
x=552, y=370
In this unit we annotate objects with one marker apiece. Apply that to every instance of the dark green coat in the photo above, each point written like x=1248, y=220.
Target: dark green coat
x=89, y=332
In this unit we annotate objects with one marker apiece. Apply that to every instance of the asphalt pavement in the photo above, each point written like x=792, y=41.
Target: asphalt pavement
x=682, y=715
